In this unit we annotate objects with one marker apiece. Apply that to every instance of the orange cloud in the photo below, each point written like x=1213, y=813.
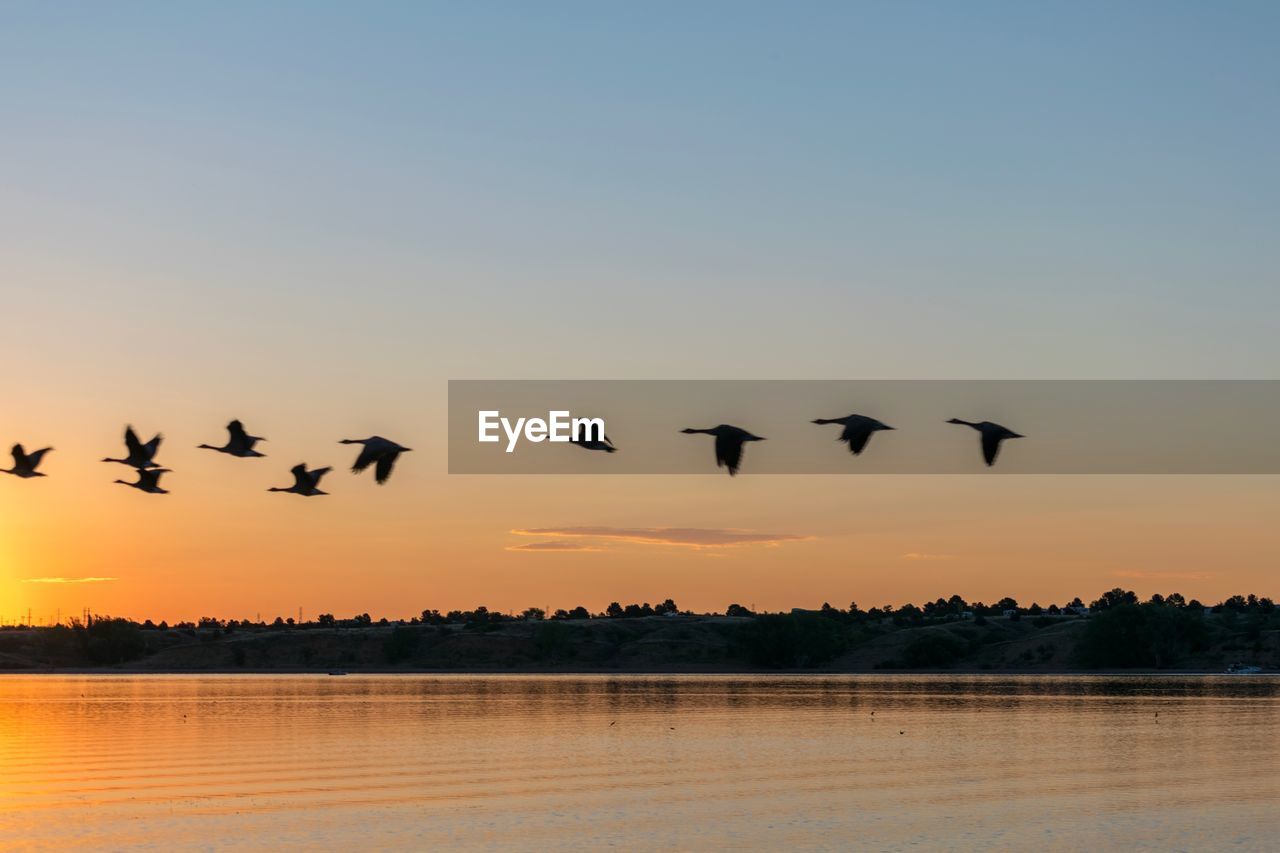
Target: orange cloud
x=685, y=537
x=1168, y=576
x=67, y=580
x=553, y=545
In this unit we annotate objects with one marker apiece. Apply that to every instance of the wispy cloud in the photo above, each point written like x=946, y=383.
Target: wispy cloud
x=918, y=555
x=1166, y=576
x=554, y=545
x=684, y=537
x=67, y=580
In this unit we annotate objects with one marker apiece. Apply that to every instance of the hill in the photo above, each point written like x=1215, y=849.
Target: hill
x=1131, y=636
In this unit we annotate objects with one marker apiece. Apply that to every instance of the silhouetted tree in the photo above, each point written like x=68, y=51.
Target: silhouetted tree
x=110, y=641
x=1131, y=635
x=1114, y=598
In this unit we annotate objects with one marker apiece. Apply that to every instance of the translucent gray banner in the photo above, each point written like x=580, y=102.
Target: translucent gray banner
x=1063, y=426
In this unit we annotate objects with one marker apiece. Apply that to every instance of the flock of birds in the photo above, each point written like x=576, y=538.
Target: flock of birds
x=382, y=453
x=857, y=431
x=379, y=452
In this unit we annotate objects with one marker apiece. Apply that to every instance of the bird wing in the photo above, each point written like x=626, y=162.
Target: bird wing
x=367, y=457
x=857, y=434
x=238, y=435
x=990, y=446
x=19, y=455
x=33, y=458
x=131, y=441
x=316, y=474
x=301, y=479
x=149, y=477
x=153, y=445
x=385, y=464
x=729, y=452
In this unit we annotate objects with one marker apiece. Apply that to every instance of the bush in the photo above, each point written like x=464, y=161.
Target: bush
x=781, y=641
x=934, y=649
x=1140, y=635
x=59, y=645
x=551, y=640
x=401, y=644
x=112, y=641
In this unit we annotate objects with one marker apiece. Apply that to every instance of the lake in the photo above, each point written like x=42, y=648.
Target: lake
x=880, y=762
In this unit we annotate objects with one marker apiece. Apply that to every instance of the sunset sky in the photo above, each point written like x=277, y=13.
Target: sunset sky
x=311, y=217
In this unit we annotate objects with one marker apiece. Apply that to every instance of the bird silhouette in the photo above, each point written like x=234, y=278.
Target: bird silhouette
x=378, y=451
x=992, y=435
x=140, y=455
x=603, y=443
x=729, y=441
x=857, y=430
x=239, y=443
x=305, y=482
x=25, y=464
x=148, y=481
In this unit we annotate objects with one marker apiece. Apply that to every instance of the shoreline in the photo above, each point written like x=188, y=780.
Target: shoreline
x=645, y=673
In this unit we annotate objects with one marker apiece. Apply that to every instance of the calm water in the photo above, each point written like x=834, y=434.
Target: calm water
x=683, y=762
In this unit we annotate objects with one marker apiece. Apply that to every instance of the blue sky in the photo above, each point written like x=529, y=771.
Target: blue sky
x=988, y=181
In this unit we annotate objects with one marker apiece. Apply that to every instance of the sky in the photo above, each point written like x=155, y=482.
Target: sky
x=312, y=216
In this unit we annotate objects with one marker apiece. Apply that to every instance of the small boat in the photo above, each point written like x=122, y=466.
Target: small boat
x=337, y=672
x=1243, y=669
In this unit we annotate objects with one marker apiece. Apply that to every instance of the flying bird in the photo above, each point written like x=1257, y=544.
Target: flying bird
x=148, y=481
x=992, y=435
x=305, y=483
x=378, y=451
x=239, y=443
x=857, y=430
x=729, y=441
x=603, y=443
x=140, y=455
x=25, y=464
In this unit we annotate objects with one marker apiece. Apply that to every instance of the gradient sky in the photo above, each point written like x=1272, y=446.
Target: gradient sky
x=310, y=216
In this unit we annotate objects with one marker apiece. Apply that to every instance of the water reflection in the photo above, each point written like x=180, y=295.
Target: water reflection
x=678, y=761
